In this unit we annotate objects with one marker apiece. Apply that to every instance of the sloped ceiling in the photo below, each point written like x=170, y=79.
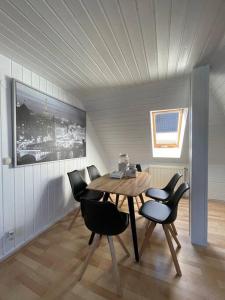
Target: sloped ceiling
x=86, y=43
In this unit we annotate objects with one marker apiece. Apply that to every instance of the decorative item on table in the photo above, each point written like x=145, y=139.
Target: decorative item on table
x=131, y=171
x=117, y=174
x=123, y=162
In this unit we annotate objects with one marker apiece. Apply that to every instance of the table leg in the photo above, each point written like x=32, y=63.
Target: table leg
x=105, y=198
x=133, y=227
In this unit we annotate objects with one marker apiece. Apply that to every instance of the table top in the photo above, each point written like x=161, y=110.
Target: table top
x=125, y=186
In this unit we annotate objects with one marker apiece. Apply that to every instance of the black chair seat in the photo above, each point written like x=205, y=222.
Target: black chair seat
x=90, y=195
x=164, y=193
x=103, y=218
x=157, y=194
x=155, y=211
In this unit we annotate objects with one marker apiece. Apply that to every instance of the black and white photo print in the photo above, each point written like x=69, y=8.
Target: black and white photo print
x=45, y=128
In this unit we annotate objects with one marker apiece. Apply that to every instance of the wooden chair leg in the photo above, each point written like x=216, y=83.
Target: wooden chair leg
x=111, y=199
x=173, y=253
x=123, y=245
x=142, y=199
x=148, y=234
x=76, y=213
x=115, y=267
x=138, y=206
x=124, y=198
x=147, y=226
x=174, y=228
x=174, y=236
x=93, y=247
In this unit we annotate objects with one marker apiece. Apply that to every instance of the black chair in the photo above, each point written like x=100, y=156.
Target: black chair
x=94, y=173
x=103, y=218
x=139, y=169
x=164, y=214
x=78, y=186
x=164, y=193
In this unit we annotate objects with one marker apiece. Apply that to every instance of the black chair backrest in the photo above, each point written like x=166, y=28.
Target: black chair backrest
x=101, y=217
x=174, y=201
x=78, y=185
x=138, y=167
x=172, y=183
x=93, y=172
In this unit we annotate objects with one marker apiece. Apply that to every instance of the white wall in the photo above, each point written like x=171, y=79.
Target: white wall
x=216, y=148
x=33, y=197
x=120, y=117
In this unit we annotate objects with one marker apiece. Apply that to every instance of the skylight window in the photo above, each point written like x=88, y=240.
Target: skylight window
x=167, y=129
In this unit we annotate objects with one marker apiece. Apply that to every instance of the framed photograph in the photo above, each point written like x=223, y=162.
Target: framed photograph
x=45, y=128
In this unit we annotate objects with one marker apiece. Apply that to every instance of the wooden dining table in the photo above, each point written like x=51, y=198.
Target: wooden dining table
x=129, y=187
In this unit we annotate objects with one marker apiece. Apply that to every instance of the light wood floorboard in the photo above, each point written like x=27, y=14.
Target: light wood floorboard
x=49, y=266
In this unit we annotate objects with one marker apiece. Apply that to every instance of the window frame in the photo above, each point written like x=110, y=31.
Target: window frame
x=153, y=122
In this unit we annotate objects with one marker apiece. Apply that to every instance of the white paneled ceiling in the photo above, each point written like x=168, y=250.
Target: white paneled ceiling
x=85, y=43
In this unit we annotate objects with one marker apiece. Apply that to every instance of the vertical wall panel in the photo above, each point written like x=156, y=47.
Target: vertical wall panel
x=16, y=70
x=55, y=91
x=49, y=87
x=51, y=192
x=44, y=195
x=58, y=200
x=1, y=199
x=199, y=154
x=62, y=177
x=35, y=82
x=9, y=207
x=29, y=202
x=43, y=85
x=26, y=76
x=19, y=206
x=37, y=197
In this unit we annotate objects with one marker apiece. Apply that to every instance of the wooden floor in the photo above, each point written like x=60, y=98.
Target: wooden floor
x=47, y=268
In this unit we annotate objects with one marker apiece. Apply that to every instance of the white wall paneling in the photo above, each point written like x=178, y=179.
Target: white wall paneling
x=1, y=199
x=199, y=155
x=33, y=197
x=120, y=116
x=161, y=174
